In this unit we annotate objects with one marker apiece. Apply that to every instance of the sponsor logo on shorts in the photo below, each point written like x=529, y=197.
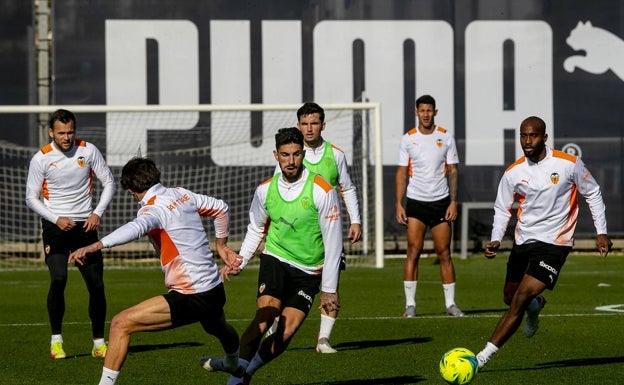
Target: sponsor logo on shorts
x=548, y=267
x=261, y=288
x=304, y=295
x=47, y=249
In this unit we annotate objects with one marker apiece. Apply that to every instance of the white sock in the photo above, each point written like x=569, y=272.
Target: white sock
x=256, y=363
x=98, y=342
x=56, y=338
x=449, y=294
x=489, y=350
x=410, y=292
x=327, y=324
x=237, y=380
x=109, y=377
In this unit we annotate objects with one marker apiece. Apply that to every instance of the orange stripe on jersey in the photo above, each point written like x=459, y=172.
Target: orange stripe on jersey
x=412, y=131
x=47, y=148
x=267, y=181
x=91, y=174
x=168, y=249
x=322, y=183
x=337, y=148
x=441, y=129
x=514, y=164
x=80, y=143
x=566, y=232
x=410, y=170
x=209, y=213
x=520, y=199
x=564, y=155
x=44, y=189
x=151, y=200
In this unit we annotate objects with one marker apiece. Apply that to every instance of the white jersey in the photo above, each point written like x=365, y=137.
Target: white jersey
x=547, y=196
x=171, y=218
x=345, y=185
x=65, y=180
x=426, y=157
x=327, y=204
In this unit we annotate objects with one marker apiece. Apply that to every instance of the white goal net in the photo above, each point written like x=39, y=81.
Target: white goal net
x=222, y=151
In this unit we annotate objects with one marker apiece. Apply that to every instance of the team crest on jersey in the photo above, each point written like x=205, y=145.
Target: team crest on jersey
x=554, y=178
x=261, y=288
x=439, y=143
x=82, y=161
x=306, y=203
x=46, y=249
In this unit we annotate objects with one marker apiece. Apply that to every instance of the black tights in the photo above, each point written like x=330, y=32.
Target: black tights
x=92, y=274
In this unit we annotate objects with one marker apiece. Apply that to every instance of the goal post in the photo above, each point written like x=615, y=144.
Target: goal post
x=221, y=150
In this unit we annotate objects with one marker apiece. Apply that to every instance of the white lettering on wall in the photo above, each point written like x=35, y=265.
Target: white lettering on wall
x=383, y=63
x=230, y=59
x=486, y=119
x=126, y=81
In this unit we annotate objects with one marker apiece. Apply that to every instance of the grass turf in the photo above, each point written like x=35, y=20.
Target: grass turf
x=576, y=342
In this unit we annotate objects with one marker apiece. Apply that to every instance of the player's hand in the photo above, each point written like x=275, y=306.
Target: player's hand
x=65, y=223
x=92, y=223
x=604, y=244
x=451, y=212
x=79, y=256
x=226, y=271
x=329, y=302
x=355, y=232
x=491, y=248
x=401, y=217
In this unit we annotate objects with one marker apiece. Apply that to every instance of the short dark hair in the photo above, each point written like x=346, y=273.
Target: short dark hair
x=311, y=108
x=425, y=99
x=288, y=135
x=139, y=174
x=63, y=116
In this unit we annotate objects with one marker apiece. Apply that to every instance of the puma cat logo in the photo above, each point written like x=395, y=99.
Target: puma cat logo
x=603, y=50
x=291, y=225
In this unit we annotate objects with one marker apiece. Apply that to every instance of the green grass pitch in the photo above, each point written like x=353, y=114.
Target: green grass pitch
x=578, y=343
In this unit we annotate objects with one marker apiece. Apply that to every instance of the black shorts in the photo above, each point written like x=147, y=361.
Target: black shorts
x=57, y=241
x=293, y=287
x=190, y=308
x=540, y=260
x=429, y=213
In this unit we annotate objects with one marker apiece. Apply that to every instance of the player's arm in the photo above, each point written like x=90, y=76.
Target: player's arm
x=34, y=188
x=400, y=184
x=590, y=189
x=145, y=221
x=105, y=176
x=453, y=182
x=502, y=214
x=348, y=191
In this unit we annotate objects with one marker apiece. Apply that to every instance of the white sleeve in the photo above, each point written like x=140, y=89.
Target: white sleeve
x=145, y=221
x=34, y=186
x=589, y=188
x=330, y=222
x=217, y=209
x=347, y=187
x=502, y=209
x=452, y=157
x=258, y=217
x=403, y=154
x=104, y=174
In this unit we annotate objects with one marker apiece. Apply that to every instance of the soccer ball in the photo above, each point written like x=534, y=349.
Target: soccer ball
x=458, y=366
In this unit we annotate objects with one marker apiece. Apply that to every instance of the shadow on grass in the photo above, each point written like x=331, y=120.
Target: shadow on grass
x=146, y=348
x=582, y=362
x=364, y=344
x=401, y=380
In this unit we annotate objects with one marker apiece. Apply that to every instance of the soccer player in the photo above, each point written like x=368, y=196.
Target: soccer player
x=329, y=161
x=62, y=172
x=428, y=156
x=171, y=218
x=300, y=213
x=545, y=182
